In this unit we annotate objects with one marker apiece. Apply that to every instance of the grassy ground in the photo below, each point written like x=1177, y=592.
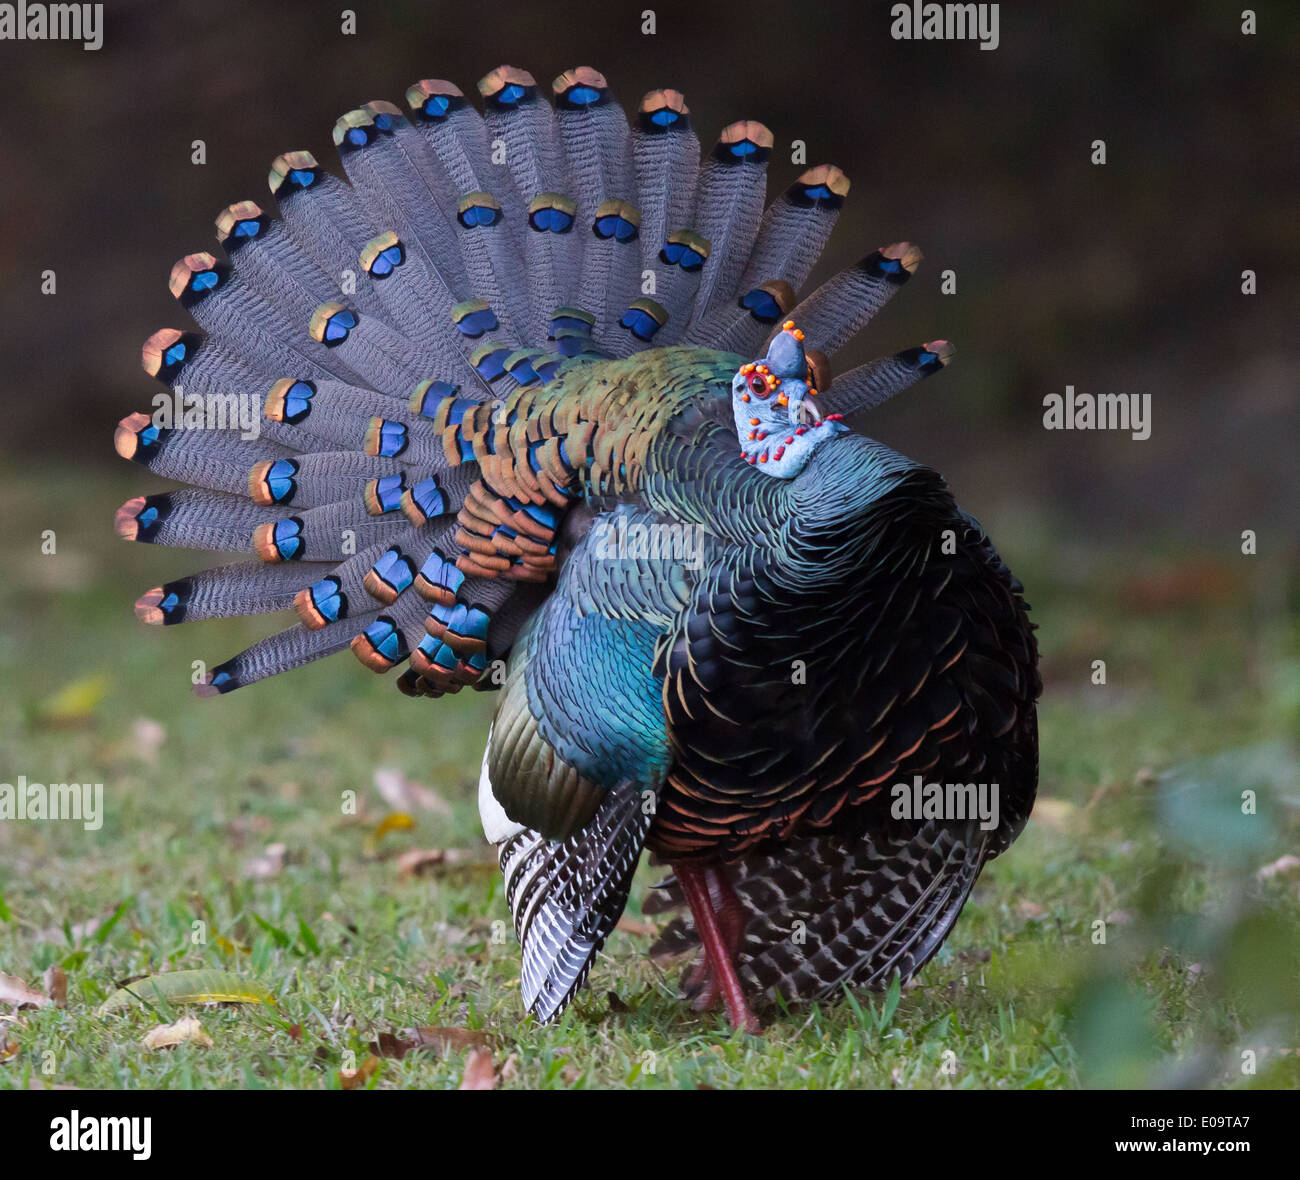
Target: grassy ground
x=1140, y=827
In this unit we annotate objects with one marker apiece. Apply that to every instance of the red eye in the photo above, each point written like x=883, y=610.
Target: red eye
x=757, y=384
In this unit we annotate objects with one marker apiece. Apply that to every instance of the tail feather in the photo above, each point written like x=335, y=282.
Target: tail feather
x=326, y=221
x=455, y=134
x=594, y=135
x=270, y=263
x=217, y=460
x=246, y=587
x=385, y=173
x=491, y=260
x=843, y=305
x=515, y=115
x=728, y=208
x=791, y=237
x=245, y=324
x=194, y=518
x=795, y=228
x=874, y=383
x=666, y=156
x=283, y=651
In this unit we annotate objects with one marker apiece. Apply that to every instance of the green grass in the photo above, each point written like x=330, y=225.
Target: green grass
x=1143, y=827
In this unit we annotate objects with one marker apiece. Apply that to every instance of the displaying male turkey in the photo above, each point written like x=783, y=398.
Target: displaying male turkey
x=538, y=417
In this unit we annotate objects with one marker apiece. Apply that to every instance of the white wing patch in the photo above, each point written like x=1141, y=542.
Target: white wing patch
x=497, y=826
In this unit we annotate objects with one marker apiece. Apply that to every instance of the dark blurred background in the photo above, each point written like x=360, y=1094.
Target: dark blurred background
x=1122, y=278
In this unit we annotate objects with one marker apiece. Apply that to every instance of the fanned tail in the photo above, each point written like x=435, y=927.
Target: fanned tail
x=378, y=325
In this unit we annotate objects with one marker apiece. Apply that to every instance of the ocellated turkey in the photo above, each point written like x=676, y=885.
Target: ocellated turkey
x=545, y=411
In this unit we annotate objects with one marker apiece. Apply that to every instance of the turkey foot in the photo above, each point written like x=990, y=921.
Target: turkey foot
x=719, y=921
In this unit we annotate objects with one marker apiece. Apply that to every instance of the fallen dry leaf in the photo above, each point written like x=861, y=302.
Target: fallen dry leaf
x=8, y=1050
x=1028, y=910
x=442, y=1039
x=15, y=991
x=404, y=794
x=147, y=737
x=168, y=1036
x=419, y=862
x=355, y=1079
x=479, y=1074
x=55, y=981
x=633, y=926
x=269, y=863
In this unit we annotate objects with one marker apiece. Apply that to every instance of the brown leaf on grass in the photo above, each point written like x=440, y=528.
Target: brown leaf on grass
x=55, y=982
x=269, y=864
x=398, y=1045
x=168, y=1036
x=147, y=737
x=1284, y=866
x=14, y=991
x=355, y=1079
x=8, y=1050
x=404, y=794
x=616, y=1004
x=420, y=862
x=295, y=1032
x=1029, y=910
x=633, y=926
x=479, y=1074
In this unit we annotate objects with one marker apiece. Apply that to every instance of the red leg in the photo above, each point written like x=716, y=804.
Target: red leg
x=701, y=983
x=732, y=918
x=700, y=885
